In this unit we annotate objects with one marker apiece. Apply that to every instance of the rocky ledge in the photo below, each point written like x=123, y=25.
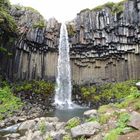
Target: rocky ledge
x=50, y=128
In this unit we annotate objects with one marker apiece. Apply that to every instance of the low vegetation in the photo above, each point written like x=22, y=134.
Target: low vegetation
x=7, y=22
x=121, y=125
x=113, y=112
x=114, y=7
x=8, y=29
x=8, y=102
x=106, y=93
x=40, y=24
x=37, y=87
x=71, y=30
x=42, y=127
x=72, y=123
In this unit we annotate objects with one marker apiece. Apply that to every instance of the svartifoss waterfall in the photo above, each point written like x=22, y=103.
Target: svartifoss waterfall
x=64, y=88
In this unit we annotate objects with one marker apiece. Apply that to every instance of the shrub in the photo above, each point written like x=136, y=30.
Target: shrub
x=103, y=109
x=7, y=22
x=112, y=135
x=103, y=119
x=42, y=127
x=38, y=87
x=137, y=106
x=72, y=123
x=9, y=103
x=49, y=138
x=71, y=30
x=107, y=92
x=67, y=137
x=114, y=7
x=40, y=24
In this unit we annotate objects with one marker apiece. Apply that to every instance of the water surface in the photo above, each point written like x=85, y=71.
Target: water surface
x=65, y=115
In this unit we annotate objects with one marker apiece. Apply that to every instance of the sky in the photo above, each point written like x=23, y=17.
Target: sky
x=62, y=10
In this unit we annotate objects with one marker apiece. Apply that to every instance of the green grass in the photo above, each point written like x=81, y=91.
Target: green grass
x=102, y=119
x=132, y=100
x=121, y=125
x=9, y=103
x=104, y=108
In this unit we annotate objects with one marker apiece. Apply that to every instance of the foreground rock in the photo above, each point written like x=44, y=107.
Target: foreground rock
x=138, y=85
x=36, y=129
x=87, y=129
x=135, y=120
x=91, y=113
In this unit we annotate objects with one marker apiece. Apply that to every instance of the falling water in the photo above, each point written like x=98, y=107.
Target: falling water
x=64, y=87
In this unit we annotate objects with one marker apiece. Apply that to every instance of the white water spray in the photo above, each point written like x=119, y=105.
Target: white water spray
x=64, y=88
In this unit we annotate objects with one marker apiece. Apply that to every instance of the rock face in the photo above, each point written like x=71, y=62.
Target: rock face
x=36, y=48
x=104, y=46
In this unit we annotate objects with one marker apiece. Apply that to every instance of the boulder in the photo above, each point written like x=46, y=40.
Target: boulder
x=86, y=129
x=52, y=119
x=13, y=135
x=29, y=134
x=30, y=124
x=23, y=138
x=56, y=135
x=97, y=137
x=135, y=120
x=60, y=125
x=90, y=113
x=138, y=85
x=37, y=136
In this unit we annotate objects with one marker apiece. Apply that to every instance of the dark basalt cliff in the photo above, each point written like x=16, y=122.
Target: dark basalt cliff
x=35, y=49
x=104, y=45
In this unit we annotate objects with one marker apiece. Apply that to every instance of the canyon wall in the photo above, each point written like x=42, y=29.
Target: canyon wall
x=104, y=46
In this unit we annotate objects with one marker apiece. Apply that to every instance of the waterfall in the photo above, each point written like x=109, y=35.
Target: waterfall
x=64, y=88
